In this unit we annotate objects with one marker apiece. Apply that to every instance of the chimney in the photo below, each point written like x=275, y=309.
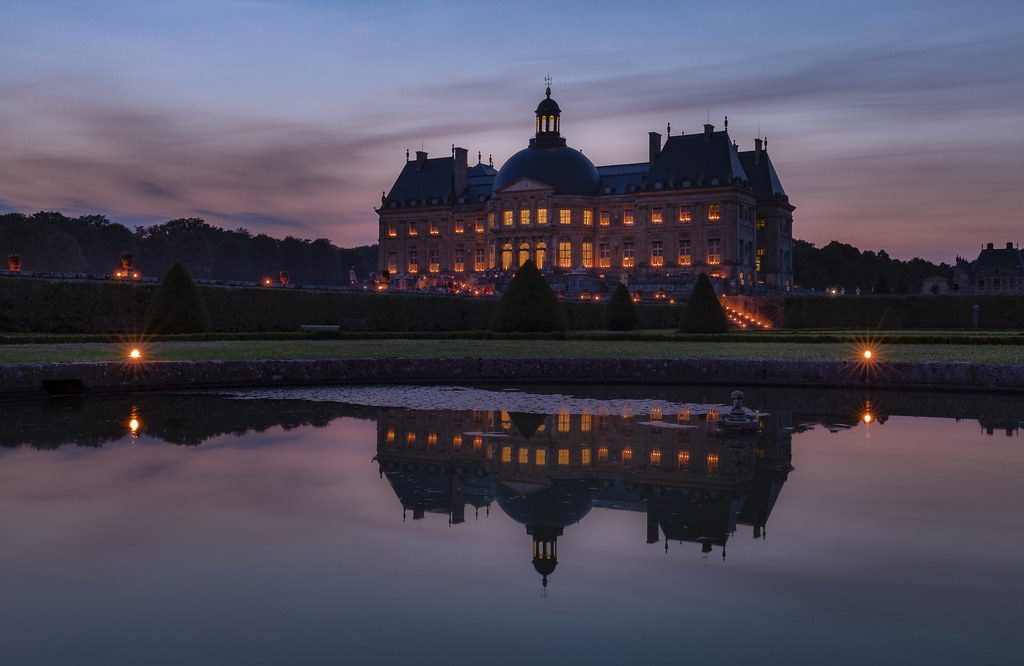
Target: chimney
x=654, y=141
x=1009, y=245
x=708, y=129
x=421, y=159
x=757, y=151
x=991, y=246
x=461, y=166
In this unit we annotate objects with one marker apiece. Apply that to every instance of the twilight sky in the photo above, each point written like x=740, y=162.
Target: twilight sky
x=896, y=127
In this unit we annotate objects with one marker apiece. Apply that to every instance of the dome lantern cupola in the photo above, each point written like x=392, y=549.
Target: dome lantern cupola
x=548, y=122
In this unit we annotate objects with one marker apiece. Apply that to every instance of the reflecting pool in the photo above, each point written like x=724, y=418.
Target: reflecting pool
x=440, y=525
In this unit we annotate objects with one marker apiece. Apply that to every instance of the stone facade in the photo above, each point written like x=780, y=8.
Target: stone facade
x=697, y=204
x=996, y=271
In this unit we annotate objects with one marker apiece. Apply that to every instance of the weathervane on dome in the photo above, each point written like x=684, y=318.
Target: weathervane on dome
x=547, y=84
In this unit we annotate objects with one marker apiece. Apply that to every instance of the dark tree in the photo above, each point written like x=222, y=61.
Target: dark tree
x=177, y=306
x=795, y=315
x=889, y=319
x=528, y=305
x=881, y=287
x=703, y=312
x=901, y=286
x=621, y=313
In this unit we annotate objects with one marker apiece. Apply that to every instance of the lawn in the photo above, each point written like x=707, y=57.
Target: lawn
x=326, y=349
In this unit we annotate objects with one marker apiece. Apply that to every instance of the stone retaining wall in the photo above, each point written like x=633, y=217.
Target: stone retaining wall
x=26, y=380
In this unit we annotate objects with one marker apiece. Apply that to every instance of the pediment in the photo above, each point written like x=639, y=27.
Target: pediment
x=526, y=184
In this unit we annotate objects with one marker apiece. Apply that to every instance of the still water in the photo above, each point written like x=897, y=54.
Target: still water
x=543, y=525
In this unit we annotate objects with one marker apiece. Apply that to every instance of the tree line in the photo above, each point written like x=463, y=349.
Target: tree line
x=54, y=242
x=842, y=265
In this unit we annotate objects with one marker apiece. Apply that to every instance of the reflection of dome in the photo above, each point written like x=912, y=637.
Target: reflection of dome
x=563, y=503
x=566, y=169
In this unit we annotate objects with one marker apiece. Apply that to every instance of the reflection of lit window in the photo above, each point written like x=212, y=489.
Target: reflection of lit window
x=506, y=421
x=627, y=455
x=432, y=439
x=541, y=457
x=456, y=442
x=760, y=223
x=524, y=456
x=490, y=450
x=477, y=443
x=683, y=459
x=585, y=422
x=410, y=438
x=563, y=456
x=656, y=458
x=712, y=463
x=602, y=454
x=506, y=454
x=585, y=456
x=657, y=413
x=390, y=436
x=683, y=416
x=563, y=421
x=713, y=414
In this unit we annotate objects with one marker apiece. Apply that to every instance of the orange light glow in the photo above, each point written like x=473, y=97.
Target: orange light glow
x=135, y=354
x=868, y=418
x=134, y=425
x=868, y=354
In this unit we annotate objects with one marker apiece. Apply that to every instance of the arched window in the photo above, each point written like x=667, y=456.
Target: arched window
x=524, y=253
x=506, y=256
x=540, y=255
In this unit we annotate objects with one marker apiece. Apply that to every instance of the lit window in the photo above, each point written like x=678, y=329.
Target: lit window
x=586, y=420
x=478, y=443
x=683, y=416
x=565, y=254
x=627, y=455
x=392, y=230
x=432, y=228
x=563, y=456
x=432, y=439
x=657, y=254
x=588, y=218
x=628, y=258
x=563, y=421
x=460, y=227
x=524, y=217
x=657, y=413
x=412, y=229
x=506, y=454
x=506, y=421
x=760, y=223
x=478, y=226
x=478, y=260
x=390, y=436
x=524, y=456
x=606, y=218
x=506, y=218
x=714, y=251
x=434, y=264
x=714, y=212
x=685, y=214
x=656, y=217
x=564, y=216
x=456, y=442
x=491, y=255
x=460, y=261
x=683, y=459
x=410, y=438
x=490, y=220
x=685, y=256
x=712, y=463
x=627, y=216
x=414, y=262
x=540, y=458
x=542, y=216
x=604, y=257
x=540, y=255
x=392, y=262
x=585, y=456
x=524, y=253
x=506, y=256
x=758, y=259
x=655, y=458
x=588, y=255
x=602, y=454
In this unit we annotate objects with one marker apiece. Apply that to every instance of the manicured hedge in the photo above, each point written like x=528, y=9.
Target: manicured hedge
x=43, y=306
x=913, y=312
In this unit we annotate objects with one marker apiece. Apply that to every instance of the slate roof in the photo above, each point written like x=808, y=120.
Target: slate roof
x=432, y=181
x=762, y=176
x=696, y=160
x=617, y=178
x=1010, y=260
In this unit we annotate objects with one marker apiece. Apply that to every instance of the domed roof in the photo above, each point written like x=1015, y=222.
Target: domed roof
x=565, y=502
x=563, y=168
x=548, y=106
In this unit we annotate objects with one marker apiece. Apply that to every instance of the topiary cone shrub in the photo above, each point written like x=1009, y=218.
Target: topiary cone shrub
x=177, y=306
x=889, y=320
x=528, y=305
x=881, y=287
x=621, y=313
x=703, y=312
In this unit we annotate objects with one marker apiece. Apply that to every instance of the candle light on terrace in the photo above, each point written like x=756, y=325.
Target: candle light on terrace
x=135, y=354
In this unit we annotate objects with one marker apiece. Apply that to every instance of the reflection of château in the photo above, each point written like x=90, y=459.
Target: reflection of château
x=548, y=471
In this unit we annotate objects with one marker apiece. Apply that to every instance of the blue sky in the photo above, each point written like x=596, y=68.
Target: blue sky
x=893, y=125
